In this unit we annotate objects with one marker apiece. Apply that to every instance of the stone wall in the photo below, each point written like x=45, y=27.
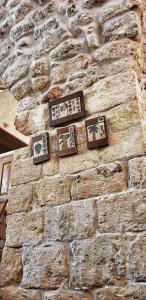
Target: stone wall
x=76, y=226
x=8, y=106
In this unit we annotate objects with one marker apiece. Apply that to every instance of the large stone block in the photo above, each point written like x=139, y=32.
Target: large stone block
x=52, y=191
x=10, y=267
x=71, y=221
x=129, y=292
x=45, y=267
x=20, y=198
x=120, y=27
x=104, y=94
x=137, y=173
x=104, y=179
x=23, y=171
x=16, y=293
x=32, y=121
x=137, y=259
x=65, y=50
x=66, y=295
x=62, y=71
x=116, y=49
x=97, y=261
x=122, y=212
x=114, y=9
x=16, y=71
x=25, y=229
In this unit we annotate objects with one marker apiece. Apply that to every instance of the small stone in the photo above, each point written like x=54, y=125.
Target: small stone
x=5, y=27
x=39, y=68
x=22, y=28
x=51, y=266
x=54, y=38
x=70, y=221
x=52, y=191
x=14, y=293
x=40, y=83
x=66, y=295
x=42, y=13
x=22, y=10
x=66, y=49
x=137, y=173
x=10, y=267
x=5, y=49
x=21, y=89
x=120, y=27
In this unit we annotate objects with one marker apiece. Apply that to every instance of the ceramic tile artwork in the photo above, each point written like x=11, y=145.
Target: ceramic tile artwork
x=96, y=130
x=65, y=109
x=40, y=148
x=66, y=141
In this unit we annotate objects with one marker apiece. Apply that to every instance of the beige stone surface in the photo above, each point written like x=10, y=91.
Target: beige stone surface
x=10, y=267
x=70, y=221
x=52, y=191
x=104, y=179
x=67, y=295
x=24, y=171
x=20, y=198
x=137, y=173
x=16, y=293
x=122, y=212
x=25, y=229
x=97, y=261
x=45, y=267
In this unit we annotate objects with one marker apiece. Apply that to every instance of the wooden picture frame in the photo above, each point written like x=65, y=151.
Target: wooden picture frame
x=96, y=131
x=66, y=141
x=5, y=178
x=67, y=109
x=40, y=148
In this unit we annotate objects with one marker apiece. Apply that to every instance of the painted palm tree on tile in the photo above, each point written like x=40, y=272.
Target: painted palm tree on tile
x=93, y=129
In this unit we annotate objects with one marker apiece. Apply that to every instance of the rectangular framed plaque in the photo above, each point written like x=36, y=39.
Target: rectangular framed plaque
x=96, y=130
x=66, y=141
x=66, y=109
x=40, y=148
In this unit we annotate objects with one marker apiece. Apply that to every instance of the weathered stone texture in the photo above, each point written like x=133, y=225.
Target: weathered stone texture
x=20, y=198
x=45, y=267
x=97, y=261
x=70, y=221
x=104, y=179
x=137, y=173
x=67, y=295
x=25, y=229
x=10, y=267
x=52, y=191
x=122, y=212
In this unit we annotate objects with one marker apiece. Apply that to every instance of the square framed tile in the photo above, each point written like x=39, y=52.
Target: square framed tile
x=96, y=130
x=66, y=141
x=40, y=148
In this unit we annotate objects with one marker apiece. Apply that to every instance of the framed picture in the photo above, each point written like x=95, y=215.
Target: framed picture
x=67, y=109
x=5, y=178
x=66, y=141
x=40, y=148
x=96, y=130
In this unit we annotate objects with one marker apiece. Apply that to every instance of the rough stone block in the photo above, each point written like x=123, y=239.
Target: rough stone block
x=24, y=27
x=105, y=91
x=5, y=49
x=115, y=9
x=137, y=259
x=5, y=27
x=65, y=50
x=120, y=27
x=129, y=292
x=116, y=49
x=16, y=293
x=70, y=221
x=52, y=191
x=22, y=10
x=39, y=68
x=97, y=261
x=24, y=171
x=10, y=267
x=137, y=173
x=40, y=83
x=109, y=178
x=32, y=121
x=61, y=72
x=40, y=14
x=53, y=38
x=51, y=266
x=122, y=212
x=21, y=89
x=67, y=295
x=25, y=229
x=20, y=198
